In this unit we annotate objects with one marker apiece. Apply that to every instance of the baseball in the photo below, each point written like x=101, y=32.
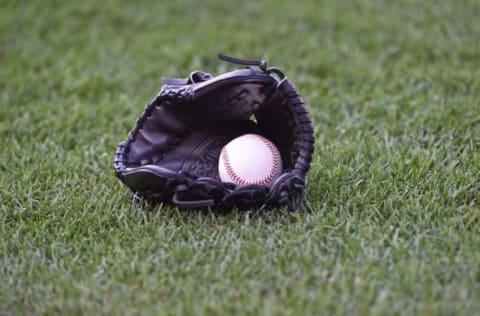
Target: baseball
x=249, y=159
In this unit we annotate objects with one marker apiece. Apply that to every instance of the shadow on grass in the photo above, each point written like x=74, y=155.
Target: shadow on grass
x=143, y=209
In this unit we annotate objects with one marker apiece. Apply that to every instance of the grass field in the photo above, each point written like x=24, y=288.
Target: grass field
x=392, y=222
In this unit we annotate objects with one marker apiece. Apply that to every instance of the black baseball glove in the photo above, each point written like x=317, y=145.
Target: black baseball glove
x=171, y=154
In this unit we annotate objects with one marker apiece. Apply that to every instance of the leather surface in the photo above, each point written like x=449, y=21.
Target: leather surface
x=171, y=154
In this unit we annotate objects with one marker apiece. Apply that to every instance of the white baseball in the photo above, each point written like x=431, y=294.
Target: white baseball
x=249, y=159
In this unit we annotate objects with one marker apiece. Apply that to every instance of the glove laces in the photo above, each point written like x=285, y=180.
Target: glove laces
x=260, y=63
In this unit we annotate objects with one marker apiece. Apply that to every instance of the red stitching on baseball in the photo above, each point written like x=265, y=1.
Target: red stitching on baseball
x=228, y=167
x=241, y=181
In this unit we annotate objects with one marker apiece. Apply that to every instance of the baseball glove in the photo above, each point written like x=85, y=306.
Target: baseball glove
x=171, y=154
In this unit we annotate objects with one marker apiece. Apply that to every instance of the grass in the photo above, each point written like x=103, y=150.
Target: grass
x=392, y=223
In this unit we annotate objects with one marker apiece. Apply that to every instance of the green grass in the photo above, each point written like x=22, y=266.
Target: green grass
x=392, y=223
